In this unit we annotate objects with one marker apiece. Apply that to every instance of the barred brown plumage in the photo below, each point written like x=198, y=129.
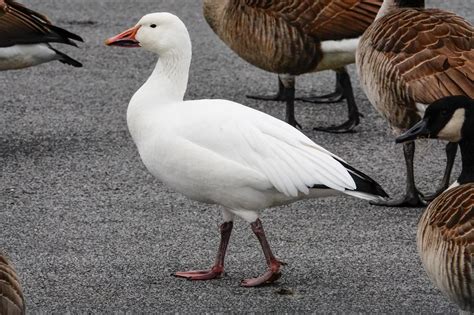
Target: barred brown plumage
x=299, y=27
x=286, y=37
x=445, y=235
x=11, y=297
x=446, y=244
x=428, y=53
x=408, y=58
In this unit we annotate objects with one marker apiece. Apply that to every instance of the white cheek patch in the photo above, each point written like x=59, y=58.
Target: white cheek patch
x=420, y=109
x=452, y=130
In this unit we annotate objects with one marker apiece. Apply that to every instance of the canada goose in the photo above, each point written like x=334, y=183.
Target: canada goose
x=296, y=37
x=12, y=301
x=221, y=152
x=25, y=38
x=446, y=230
x=408, y=58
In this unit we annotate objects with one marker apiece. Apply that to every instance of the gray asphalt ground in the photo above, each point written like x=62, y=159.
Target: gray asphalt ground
x=90, y=230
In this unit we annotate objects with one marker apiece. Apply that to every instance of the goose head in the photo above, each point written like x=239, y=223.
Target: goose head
x=450, y=118
x=160, y=33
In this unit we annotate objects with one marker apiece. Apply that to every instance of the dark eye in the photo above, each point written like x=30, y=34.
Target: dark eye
x=153, y=25
x=444, y=112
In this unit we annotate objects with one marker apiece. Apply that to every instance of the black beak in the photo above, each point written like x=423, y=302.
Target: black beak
x=419, y=130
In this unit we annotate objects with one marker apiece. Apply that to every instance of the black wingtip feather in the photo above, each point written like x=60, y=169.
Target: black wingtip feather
x=66, y=59
x=66, y=35
x=364, y=183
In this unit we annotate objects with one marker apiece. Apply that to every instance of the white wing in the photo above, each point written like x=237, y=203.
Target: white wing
x=290, y=160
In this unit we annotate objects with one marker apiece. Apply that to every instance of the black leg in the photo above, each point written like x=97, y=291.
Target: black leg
x=279, y=96
x=334, y=97
x=286, y=93
x=451, y=150
x=412, y=196
x=353, y=111
x=289, y=93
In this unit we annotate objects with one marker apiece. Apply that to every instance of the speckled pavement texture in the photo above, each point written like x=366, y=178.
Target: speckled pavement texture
x=91, y=231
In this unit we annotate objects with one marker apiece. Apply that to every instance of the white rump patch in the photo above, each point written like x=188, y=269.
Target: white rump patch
x=338, y=53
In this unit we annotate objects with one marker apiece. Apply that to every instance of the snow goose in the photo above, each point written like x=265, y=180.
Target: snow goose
x=408, y=58
x=25, y=36
x=446, y=230
x=12, y=301
x=221, y=152
x=296, y=37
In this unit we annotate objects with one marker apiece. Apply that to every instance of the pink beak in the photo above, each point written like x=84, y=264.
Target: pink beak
x=125, y=39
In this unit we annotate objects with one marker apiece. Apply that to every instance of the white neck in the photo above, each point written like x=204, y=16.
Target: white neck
x=166, y=85
x=169, y=80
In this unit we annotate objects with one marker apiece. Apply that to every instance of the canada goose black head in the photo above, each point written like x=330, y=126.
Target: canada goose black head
x=450, y=118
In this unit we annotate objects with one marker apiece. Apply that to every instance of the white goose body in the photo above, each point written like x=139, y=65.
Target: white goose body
x=221, y=152
x=221, y=158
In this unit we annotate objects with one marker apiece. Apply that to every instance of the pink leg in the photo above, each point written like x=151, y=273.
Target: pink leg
x=274, y=265
x=218, y=269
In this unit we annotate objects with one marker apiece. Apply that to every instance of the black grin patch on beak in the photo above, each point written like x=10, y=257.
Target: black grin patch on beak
x=126, y=43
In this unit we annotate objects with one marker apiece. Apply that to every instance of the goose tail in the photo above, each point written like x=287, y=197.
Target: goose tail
x=366, y=187
x=62, y=57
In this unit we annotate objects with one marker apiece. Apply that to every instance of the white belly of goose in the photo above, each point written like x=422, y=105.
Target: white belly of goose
x=23, y=56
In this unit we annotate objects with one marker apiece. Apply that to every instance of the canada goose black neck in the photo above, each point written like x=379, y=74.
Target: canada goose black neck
x=463, y=108
x=467, y=155
x=389, y=6
x=410, y=3
x=467, y=152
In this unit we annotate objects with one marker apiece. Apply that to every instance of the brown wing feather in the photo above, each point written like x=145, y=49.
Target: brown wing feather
x=11, y=296
x=22, y=8
x=323, y=19
x=432, y=50
x=20, y=25
x=17, y=23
